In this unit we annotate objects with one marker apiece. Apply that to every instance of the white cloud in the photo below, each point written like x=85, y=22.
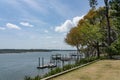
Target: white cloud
x=2, y=28
x=76, y=19
x=65, y=26
x=26, y=24
x=68, y=24
x=13, y=26
x=46, y=31
x=22, y=6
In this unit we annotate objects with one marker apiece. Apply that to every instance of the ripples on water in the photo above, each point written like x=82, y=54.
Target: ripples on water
x=18, y=65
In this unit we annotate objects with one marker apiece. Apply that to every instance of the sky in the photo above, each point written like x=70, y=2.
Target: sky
x=39, y=24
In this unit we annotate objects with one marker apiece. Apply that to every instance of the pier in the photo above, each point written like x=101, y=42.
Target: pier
x=41, y=66
x=49, y=65
x=75, y=56
x=58, y=59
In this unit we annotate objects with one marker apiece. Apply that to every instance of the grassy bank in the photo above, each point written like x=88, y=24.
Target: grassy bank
x=101, y=70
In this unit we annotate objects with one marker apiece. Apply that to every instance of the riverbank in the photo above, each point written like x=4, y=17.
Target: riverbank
x=101, y=70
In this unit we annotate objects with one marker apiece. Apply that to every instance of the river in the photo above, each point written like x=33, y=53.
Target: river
x=15, y=66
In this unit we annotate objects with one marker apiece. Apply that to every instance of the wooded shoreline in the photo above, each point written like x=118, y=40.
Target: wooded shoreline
x=3, y=51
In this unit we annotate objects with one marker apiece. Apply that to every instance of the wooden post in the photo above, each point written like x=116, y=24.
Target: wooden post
x=62, y=64
x=39, y=61
x=42, y=61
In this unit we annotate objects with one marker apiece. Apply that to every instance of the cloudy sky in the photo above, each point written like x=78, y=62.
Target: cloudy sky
x=41, y=24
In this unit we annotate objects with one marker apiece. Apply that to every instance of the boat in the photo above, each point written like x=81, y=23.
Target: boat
x=42, y=67
x=51, y=65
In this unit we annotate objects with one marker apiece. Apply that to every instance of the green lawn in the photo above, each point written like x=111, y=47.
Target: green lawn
x=101, y=70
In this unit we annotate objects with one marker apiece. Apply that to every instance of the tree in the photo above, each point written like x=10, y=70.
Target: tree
x=93, y=3
x=94, y=29
x=92, y=37
x=87, y=33
x=73, y=38
x=115, y=12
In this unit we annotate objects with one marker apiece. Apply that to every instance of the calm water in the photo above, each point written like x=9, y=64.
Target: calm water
x=17, y=66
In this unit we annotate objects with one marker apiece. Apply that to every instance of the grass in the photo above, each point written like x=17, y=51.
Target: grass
x=101, y=70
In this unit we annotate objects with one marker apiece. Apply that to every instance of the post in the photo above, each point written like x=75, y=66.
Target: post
x=42, y=61
x=39, y=61
x=63, y=64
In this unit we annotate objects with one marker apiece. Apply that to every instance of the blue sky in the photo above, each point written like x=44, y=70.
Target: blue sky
x=39, y=24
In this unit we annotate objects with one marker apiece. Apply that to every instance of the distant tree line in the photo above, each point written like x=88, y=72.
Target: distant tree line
x=30, y=50
x=22, y=50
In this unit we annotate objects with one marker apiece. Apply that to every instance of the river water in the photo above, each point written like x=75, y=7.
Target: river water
x=16, y=66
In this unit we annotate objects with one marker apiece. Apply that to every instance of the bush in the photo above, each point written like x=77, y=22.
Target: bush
x=66, y=67
x=36, y=78
x=27, y=78
x=85, y=60
x=114, y=49
x=52, y=72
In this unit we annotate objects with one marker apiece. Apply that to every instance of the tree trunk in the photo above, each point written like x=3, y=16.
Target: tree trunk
x=98, y=50
x=108, y=24
x=77, y=49
x=77, y=52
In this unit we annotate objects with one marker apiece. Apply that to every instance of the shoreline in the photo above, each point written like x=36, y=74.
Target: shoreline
x=5, y=51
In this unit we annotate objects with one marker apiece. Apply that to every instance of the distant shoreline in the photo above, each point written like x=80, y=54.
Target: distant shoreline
x=3, y=51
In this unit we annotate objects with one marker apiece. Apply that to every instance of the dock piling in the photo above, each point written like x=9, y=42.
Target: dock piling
x=39, y=61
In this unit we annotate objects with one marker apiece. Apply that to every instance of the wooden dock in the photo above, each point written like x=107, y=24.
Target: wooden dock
x=49, y=65
x=58, y=58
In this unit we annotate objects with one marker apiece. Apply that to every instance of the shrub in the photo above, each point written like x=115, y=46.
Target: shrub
x=27, y=78
x=35, y=78
x=66, y=67
x=52, y=72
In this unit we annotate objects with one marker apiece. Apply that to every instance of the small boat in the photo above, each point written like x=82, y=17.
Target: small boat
x=51, y=65
x=42, y=67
